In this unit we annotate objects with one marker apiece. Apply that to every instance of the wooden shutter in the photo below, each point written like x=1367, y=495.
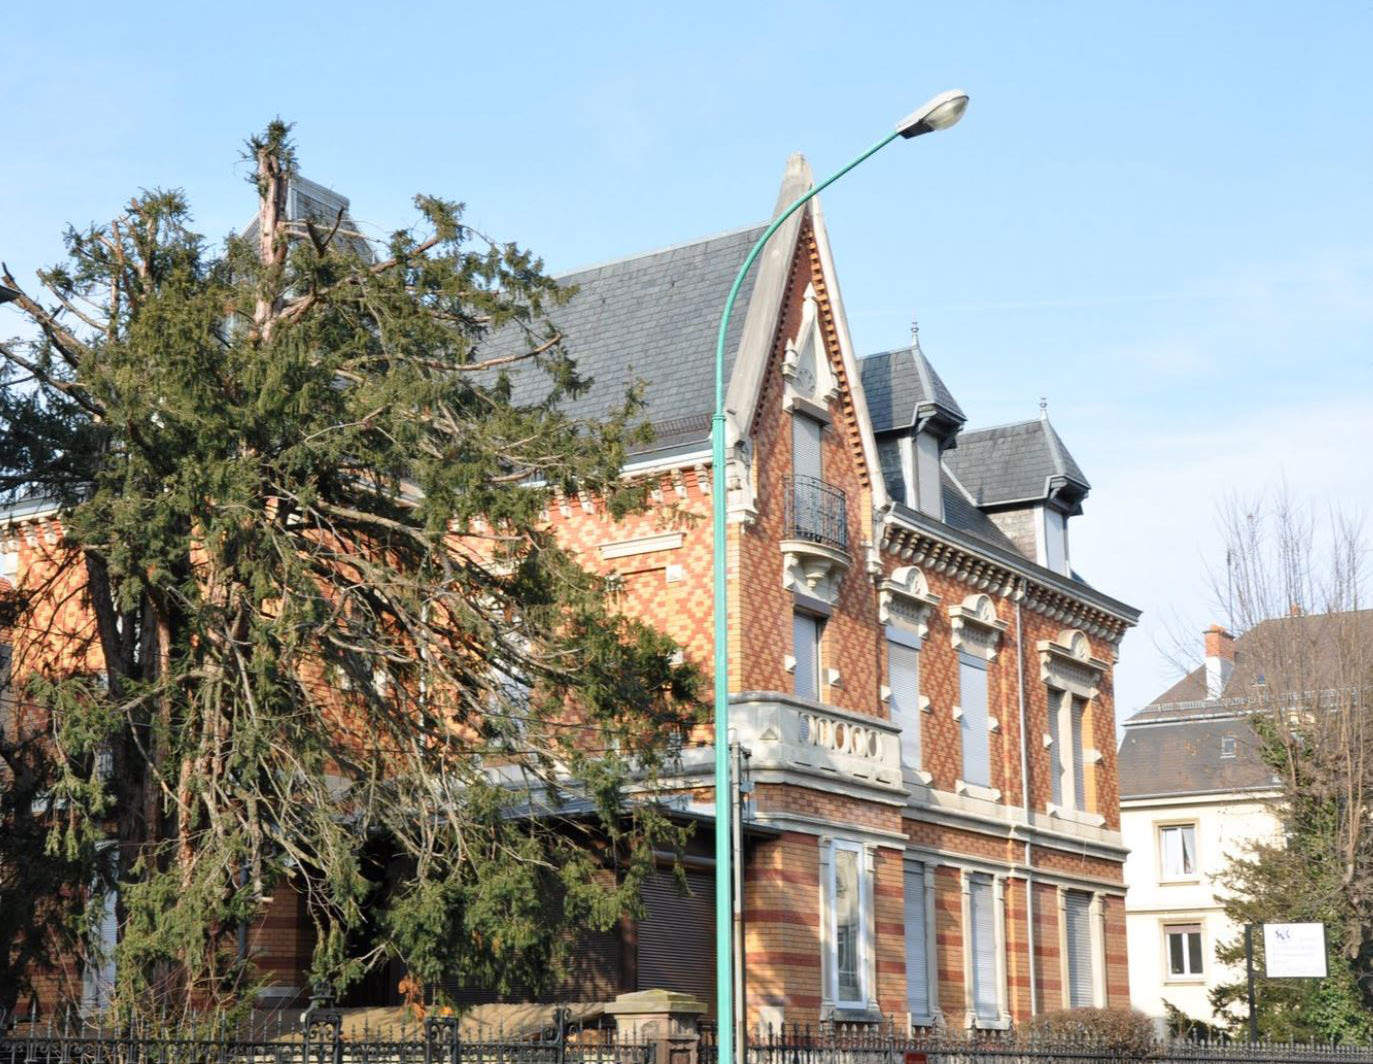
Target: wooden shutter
x=972, y=700
x=982, y=904
x=677, y=935
x=917, y=943
x=1079, y=763
x=1077, y=916
x=903, y=667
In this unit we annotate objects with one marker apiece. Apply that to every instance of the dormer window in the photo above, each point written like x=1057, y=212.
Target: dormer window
x=1227, y=746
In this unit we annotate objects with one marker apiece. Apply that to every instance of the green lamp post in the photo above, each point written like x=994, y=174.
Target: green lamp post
x=939, y=113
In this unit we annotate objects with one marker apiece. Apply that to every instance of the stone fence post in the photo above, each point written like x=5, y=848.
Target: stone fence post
x=666, y=1019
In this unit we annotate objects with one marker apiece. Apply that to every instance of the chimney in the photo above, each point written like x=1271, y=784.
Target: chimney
x=1220, y=659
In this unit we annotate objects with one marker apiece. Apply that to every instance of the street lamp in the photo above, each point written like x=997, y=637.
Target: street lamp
x=7, y=294
x=940, y=112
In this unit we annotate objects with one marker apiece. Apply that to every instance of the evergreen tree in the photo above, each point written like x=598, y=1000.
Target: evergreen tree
x=336, y=638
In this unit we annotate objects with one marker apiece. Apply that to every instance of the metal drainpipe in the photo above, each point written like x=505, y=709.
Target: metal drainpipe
x=1025, y=800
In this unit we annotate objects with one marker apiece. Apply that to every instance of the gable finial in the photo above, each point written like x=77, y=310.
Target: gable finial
x=915, y=335
x=1043, y=408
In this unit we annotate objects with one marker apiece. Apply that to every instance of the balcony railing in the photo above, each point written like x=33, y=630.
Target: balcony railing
x=816, y=512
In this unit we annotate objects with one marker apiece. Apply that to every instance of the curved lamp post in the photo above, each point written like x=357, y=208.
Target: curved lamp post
x=939, y=113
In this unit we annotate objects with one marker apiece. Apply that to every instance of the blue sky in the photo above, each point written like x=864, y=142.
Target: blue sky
x=1156, y=215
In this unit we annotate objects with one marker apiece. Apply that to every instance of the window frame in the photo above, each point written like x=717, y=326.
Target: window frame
x=930, y=1014
x=996, y=895
x=1194, y=927
x=1185, y=877
x=830, y=931
x=1094, y=947
x=965, y=727
x=909, y=712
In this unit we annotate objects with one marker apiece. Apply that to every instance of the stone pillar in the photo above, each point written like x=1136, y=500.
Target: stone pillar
x=667, y=1019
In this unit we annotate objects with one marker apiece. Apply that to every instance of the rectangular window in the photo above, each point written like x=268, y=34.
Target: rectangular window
x=1057, y=769
x=846, y=919
x=917, y=944
x=1077, y=927
x=972, y=700
x=1184, y=949
x=806, y=629
x=982, y=948
x=903, y=677
x=1178, y=851
x=1067, y=752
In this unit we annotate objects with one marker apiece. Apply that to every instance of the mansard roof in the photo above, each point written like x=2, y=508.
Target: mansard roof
x=1022, y=462
x=1172, y=745
x=899, y=383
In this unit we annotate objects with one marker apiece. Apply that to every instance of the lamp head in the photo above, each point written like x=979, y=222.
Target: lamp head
x=940, y=112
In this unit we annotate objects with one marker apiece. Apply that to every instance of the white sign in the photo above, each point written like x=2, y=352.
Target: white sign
x=1294, y=951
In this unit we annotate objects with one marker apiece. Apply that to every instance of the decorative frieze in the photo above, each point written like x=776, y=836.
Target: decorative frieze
x=980, y=572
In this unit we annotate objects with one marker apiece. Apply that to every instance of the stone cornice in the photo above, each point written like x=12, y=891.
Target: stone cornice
x=920, y=540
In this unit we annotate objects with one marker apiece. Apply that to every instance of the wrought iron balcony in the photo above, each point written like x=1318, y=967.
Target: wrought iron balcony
x=816, y=512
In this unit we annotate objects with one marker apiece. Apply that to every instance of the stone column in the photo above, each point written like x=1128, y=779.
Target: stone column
x=667, y=1019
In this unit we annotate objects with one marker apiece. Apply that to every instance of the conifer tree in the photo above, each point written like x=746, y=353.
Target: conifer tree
x=339, y=651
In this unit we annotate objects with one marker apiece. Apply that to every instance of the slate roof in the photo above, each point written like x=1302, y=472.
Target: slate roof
x=651, y=318
x=896, y=383
x=1013, y=463
x=1172, y=745
x=959, y=513
x=1185, y=758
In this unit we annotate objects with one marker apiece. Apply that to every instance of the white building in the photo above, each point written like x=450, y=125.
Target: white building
x=1193, y=792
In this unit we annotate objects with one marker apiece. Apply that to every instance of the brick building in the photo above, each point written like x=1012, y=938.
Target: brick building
x=921, y=682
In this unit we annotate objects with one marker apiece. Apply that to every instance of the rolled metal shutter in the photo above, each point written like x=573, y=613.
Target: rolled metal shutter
x=917, y=943
x=677, y=935
x=1077, y=914
x=986, y=993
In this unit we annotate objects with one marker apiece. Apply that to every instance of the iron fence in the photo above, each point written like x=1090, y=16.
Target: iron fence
x=891, y=1044
x=320, y=1038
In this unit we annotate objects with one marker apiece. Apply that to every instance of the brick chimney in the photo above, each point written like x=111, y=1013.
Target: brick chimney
x=1220, y=659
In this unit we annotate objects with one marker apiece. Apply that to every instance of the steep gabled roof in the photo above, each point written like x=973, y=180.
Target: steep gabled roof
x=1018, y=463
x=898, y=383
x=651, y=318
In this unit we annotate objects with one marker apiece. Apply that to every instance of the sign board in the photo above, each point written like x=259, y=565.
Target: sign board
x=914, y=1057
x=1294, y=951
